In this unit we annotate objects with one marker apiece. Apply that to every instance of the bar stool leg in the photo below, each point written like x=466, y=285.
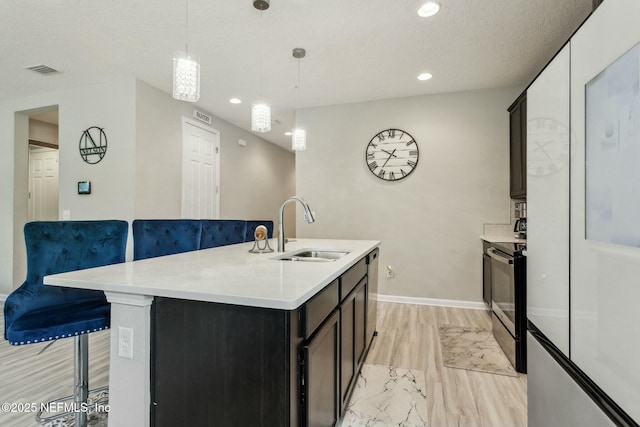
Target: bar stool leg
x=81, y=376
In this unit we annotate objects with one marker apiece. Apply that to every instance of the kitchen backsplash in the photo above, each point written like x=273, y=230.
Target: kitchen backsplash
x=501, y=230
x=497, y=230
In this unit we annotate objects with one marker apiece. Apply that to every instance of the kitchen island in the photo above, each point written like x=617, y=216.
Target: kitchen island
x=225, y=337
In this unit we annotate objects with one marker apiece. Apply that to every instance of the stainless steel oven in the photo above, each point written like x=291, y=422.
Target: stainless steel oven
x=508, y=301
x=503, y=301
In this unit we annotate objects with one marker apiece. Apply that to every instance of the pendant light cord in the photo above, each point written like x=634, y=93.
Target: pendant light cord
x=186, y=19
x=261, y=52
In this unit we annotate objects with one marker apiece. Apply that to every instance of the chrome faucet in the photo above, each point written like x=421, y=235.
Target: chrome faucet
x=307, y=215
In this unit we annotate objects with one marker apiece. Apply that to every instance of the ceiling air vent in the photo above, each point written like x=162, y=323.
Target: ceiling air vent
x=42, y=69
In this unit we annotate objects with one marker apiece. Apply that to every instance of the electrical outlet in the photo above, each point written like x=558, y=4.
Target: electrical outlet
x=390, y=272
x=125, y=342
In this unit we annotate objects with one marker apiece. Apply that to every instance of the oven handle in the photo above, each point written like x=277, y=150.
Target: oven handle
x=494, y=254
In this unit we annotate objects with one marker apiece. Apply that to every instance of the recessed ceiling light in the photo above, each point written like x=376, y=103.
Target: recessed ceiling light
x=235, y=100
x=430, y=8
x=288, y=133
x=425, y=76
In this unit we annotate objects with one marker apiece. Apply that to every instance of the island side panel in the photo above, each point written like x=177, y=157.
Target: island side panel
x=223, y=365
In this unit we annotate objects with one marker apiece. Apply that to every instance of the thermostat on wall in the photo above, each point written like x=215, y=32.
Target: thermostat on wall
x=84, y=187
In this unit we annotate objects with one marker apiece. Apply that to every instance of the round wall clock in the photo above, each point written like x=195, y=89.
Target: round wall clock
x=392, y=154
x=93, y=145
x=548, y=146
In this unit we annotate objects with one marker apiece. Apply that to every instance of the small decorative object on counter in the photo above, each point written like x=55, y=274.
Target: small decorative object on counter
x=260, y=235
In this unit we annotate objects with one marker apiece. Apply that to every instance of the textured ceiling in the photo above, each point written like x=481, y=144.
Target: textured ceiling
x=357, y=50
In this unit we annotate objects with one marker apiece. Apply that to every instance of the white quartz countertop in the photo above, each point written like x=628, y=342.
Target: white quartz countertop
x=228, y=274
x=502, y=239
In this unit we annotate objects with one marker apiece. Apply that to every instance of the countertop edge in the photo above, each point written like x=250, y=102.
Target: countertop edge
x=67, y=280
x=501, y=239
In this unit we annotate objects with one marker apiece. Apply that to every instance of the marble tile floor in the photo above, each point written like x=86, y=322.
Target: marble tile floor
x=95, y=418
x=386, y=396
x=407, y=338
x=475, y=349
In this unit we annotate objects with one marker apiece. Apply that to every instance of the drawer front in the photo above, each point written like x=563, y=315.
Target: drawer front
x=350, y=279
x=319, y=307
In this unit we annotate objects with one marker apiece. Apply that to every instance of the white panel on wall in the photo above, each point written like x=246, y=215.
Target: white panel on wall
x=548, y=151
x=605, y=277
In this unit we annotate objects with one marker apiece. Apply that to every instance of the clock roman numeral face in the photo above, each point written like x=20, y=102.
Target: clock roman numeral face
x=392, y=154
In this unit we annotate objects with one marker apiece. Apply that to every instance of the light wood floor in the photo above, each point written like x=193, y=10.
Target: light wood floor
x=407, y=338
x=29, y=377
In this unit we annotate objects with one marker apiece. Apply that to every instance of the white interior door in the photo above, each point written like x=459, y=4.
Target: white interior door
x=43, y=184
x=200, y=171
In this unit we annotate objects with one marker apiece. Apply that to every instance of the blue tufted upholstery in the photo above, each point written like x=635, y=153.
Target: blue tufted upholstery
x=251, y=227
x=37, y=312
x=221, y=232
x=159, y=237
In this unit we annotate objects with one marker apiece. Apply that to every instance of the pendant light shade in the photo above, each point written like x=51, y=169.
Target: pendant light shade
x=299, y=136
x=261, y=111
x=299, y=140
x=260, y=117
x=186, y=77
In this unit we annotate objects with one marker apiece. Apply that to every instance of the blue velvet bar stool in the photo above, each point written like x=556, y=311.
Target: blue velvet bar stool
x=36, y=312
x=222, y=232
x=159, y=237
x=251, y=228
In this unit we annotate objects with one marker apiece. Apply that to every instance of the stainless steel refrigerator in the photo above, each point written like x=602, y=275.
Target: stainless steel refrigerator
x=583, y=199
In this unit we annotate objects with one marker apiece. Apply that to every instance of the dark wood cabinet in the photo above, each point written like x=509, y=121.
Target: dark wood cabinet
x=518, y=148
x=225, y=365
x=347, y=351
x=360, y=322
x=372, y=295
x=320, y=398
x=353, y=323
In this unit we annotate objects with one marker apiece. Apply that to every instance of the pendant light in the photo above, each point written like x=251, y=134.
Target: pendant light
x=299, y=136
x=261, y=111
x=186, y=71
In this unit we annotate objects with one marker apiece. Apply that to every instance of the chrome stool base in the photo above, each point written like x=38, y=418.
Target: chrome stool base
x=93, y=409
x=74, y=410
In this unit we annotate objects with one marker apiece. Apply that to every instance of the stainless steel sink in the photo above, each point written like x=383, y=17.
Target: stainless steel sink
x=313, y=255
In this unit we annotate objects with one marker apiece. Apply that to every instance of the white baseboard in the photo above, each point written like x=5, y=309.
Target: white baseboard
x=433, y=301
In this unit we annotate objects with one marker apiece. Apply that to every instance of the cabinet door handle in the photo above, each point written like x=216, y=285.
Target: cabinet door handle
x=494, y=254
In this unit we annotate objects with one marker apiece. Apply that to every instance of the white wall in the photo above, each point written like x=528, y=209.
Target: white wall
x=430, y=222
x=254, y=180
x=110, y=106
x=43, y=132
x=140, y=174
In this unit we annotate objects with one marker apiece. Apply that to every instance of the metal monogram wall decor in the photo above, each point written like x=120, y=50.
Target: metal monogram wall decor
x=93, y=145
